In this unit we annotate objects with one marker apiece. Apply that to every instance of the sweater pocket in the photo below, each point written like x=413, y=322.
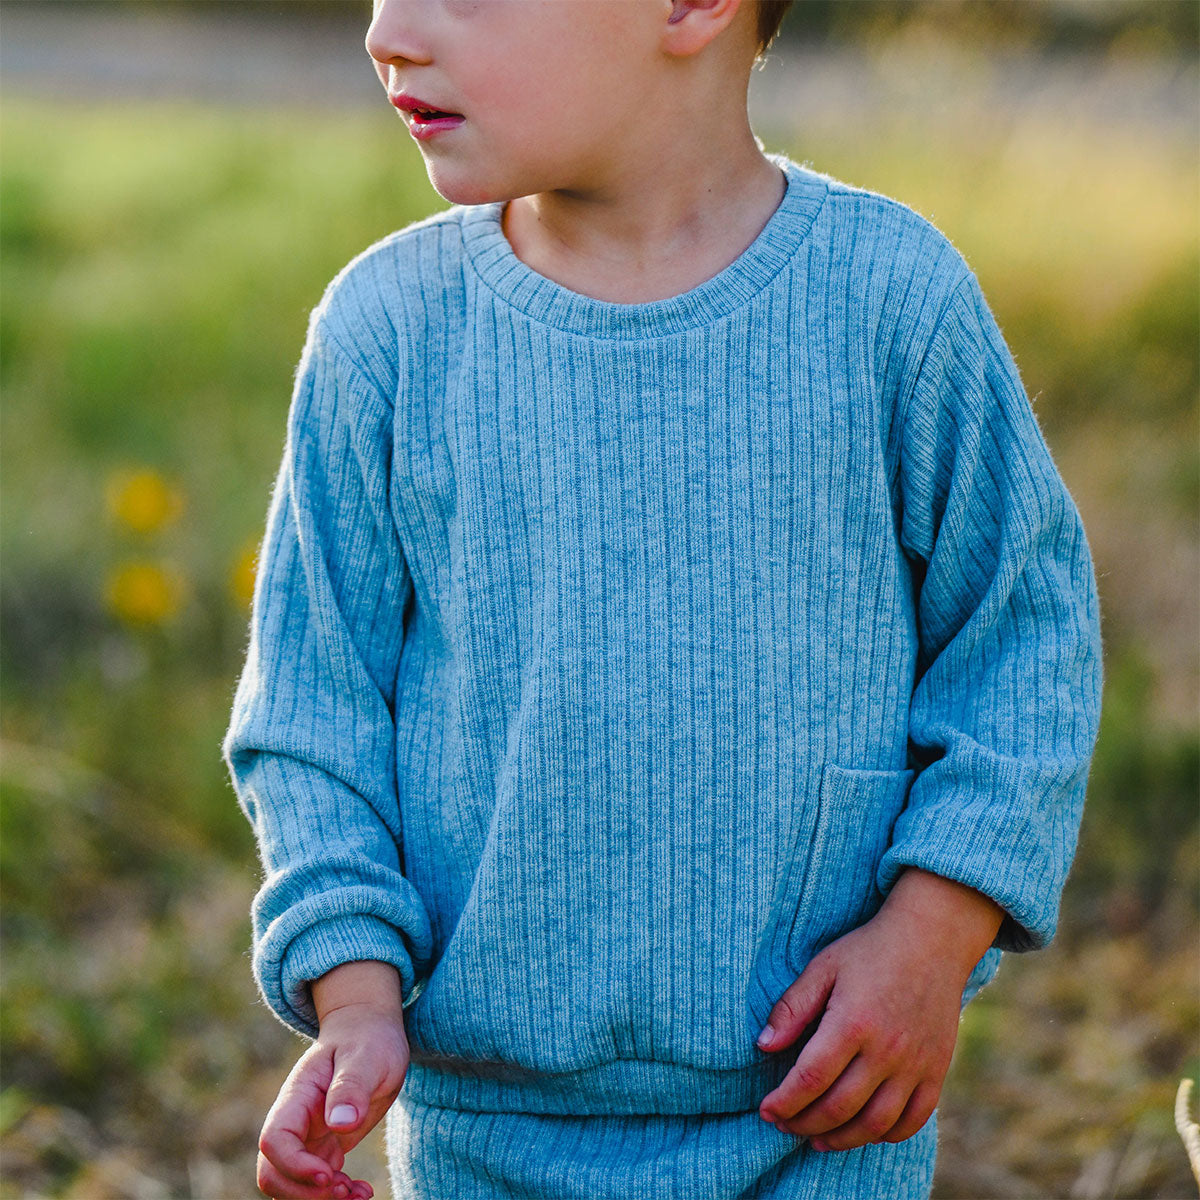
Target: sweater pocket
x=829, y=887
x=855, y=817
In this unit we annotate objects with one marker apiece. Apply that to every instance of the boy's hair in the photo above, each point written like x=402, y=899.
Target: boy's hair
x=770, y=16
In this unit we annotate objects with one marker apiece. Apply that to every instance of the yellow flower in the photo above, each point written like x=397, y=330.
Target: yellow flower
x=144, y=593
x=142, y=500
x=241, y=578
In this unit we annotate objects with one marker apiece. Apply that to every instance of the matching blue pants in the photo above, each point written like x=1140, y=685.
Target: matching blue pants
x=451, y=1154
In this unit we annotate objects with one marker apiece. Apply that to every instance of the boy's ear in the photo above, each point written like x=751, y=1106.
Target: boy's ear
x=692, y=24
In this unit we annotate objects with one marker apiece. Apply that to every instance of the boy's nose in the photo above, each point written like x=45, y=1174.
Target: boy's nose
x=397, y=32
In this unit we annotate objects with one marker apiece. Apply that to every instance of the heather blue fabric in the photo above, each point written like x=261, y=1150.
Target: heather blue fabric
x=445, y=1152
x=607, y=661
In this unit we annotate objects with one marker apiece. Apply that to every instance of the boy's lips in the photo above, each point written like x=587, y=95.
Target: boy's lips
x=424, y=119
x=423, y=128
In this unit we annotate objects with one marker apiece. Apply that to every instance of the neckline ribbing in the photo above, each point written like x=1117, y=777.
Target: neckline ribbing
x=544, y=300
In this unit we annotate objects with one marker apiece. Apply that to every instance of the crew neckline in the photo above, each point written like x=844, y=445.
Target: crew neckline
x=541, y=298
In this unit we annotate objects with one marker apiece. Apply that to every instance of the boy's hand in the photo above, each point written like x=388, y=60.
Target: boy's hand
x=334, y=1096
x=885, y=1000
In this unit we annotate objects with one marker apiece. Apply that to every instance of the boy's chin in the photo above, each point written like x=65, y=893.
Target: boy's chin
x=455, y=189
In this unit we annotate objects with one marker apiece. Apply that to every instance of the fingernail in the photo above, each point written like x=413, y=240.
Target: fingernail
x=767, y=1035
x=343, y=1114
x=817, y=1145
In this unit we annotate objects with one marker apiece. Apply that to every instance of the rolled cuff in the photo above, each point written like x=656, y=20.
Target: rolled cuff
x=997, y=825
x=285, y=968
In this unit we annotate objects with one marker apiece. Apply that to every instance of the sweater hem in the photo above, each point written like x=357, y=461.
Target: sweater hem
x=622, y=1086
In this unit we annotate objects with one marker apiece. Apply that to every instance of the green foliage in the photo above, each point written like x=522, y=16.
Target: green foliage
x=1140, y=826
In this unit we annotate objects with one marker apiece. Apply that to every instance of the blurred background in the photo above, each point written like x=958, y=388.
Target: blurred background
x=178, y=182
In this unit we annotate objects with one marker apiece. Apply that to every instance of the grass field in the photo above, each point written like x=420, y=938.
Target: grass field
x=158, y=266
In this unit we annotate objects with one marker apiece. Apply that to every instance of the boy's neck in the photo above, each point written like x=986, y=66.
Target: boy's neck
x=659, y=230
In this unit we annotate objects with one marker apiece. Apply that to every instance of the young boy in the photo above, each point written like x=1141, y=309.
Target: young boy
x=670, y=627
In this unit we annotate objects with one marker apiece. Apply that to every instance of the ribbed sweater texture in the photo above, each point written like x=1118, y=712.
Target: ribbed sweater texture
x=607, y=661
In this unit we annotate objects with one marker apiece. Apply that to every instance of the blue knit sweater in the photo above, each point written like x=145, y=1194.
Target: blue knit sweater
x=609, y=660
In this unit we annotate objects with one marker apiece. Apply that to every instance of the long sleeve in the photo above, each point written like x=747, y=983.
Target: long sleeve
x=311, y=743
x=1005, y=708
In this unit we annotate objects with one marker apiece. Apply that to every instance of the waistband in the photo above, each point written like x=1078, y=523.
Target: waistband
x=621, y=1086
